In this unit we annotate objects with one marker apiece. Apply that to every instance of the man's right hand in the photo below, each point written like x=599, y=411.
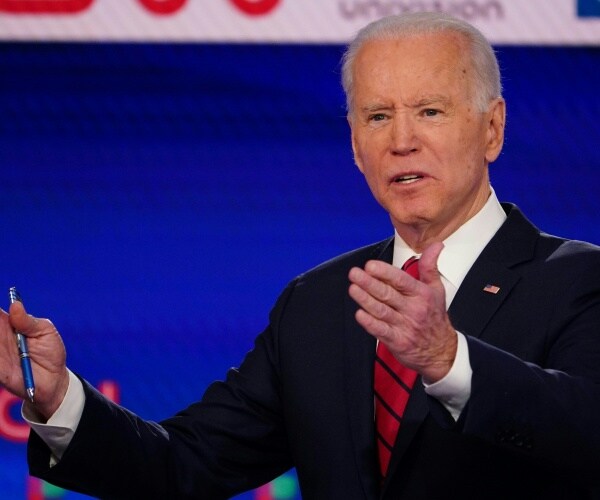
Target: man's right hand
x=48, y=359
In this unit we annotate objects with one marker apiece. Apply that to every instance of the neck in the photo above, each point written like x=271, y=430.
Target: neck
x=418, y=236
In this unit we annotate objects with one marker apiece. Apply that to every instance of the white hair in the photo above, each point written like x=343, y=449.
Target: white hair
x=487, y=73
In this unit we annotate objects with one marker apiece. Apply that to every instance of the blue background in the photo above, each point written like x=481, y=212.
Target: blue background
x=588, y=8
x=155, y=198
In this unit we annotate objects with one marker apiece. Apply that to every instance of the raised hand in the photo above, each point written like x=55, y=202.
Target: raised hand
x=406, y=314
x=48, y=358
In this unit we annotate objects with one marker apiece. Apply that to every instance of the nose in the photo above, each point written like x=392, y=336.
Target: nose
x=403, y=136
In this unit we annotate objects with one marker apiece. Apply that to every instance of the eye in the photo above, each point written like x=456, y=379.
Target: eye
x=430, y=112
x=377, y=117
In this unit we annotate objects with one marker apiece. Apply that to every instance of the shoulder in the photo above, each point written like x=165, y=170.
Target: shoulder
x=570, y=249
x=382, y=250
x=576, y=263
x=322, y=283
x=521, y=236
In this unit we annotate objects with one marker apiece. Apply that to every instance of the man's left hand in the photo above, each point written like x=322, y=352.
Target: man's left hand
x=408, y=315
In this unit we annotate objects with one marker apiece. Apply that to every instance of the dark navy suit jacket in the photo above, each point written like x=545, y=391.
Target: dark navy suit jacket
x=303, y=397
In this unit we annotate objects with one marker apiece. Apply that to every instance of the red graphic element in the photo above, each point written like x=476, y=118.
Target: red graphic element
x=34, y=489
x=17, y=431
x=255, y=7
x=111, y=390
x=37, y=489
x=163, y=6
x=11, y=429
x=44, y=6
x=263, y=493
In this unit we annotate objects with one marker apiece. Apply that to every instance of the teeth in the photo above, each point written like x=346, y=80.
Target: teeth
x=407, y=179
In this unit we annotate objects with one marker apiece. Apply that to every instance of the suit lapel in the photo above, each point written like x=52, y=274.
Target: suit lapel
x=359, y=356
x=470, y=312
x=475, y=304
x=472, y=307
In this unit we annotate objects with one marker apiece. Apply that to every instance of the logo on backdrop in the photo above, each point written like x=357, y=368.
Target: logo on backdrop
x=49, y=7
x=256, y=7
x=249, y=7
x=588, y=8
x=470, y=10
x=163, y=6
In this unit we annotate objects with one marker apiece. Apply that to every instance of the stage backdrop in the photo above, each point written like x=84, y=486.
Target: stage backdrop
x=157, y=195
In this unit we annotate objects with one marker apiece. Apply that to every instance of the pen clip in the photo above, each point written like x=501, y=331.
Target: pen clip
x=14, y=295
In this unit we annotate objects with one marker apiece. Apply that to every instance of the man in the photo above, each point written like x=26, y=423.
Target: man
x=498, y=334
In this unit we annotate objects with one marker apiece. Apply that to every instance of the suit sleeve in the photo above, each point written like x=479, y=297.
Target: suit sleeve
x=233, y=440
x=545, y=401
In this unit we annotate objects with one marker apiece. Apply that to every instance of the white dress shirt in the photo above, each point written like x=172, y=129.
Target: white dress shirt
x=460, y=251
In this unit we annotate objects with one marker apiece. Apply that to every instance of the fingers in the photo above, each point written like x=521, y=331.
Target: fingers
x=428, y=268
x=374, y=315
x=379, y=328
x=383, y=281
x=392, y=276
x=408, y=315
x=390, y=298
x=381, y=291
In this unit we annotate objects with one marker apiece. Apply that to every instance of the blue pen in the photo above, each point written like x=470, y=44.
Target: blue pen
x=23, y=351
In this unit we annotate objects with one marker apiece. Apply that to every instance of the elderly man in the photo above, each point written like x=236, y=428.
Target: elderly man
x=458, y=359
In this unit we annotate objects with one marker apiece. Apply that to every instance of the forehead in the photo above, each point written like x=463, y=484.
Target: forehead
x=437, y=63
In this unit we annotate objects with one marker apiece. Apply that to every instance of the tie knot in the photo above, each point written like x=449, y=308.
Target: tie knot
x=411, y=267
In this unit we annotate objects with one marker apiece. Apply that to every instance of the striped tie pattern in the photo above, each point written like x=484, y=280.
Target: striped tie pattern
x=393, y=383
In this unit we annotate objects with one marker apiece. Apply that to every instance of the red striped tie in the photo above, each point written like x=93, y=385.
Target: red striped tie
x=393, y=383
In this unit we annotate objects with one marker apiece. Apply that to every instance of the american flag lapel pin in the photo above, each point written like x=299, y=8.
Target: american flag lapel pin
x=491, y=289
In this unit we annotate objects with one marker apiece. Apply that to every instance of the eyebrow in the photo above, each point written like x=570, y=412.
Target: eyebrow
x=431, y=99
x=422, y=102
x=376, y=107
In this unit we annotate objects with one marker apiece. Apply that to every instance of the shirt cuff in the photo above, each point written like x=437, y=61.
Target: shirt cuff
x=454, y=390
x=58, y=431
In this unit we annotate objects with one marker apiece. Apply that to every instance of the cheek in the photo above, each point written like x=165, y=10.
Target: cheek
x=373, y=182
x=365, y=158
x=461, y=155
x=375, y=147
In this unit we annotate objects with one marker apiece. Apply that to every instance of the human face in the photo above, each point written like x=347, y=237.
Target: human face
x=417, y=136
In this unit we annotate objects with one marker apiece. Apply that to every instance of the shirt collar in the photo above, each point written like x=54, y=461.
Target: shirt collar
x=462, y=247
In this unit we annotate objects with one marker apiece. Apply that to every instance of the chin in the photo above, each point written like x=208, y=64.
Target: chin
x=417, y=213
x=412, y=219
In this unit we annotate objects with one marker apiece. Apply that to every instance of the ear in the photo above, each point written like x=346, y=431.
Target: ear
x=496, y=117
x=353, y=140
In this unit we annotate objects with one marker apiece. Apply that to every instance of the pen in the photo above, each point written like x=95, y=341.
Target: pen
x=23, y=351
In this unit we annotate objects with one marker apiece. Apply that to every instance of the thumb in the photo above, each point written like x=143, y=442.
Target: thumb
x=428, y=269
x=20, y=320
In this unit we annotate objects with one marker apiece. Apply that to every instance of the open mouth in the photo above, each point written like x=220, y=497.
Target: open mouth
x=407, y=179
